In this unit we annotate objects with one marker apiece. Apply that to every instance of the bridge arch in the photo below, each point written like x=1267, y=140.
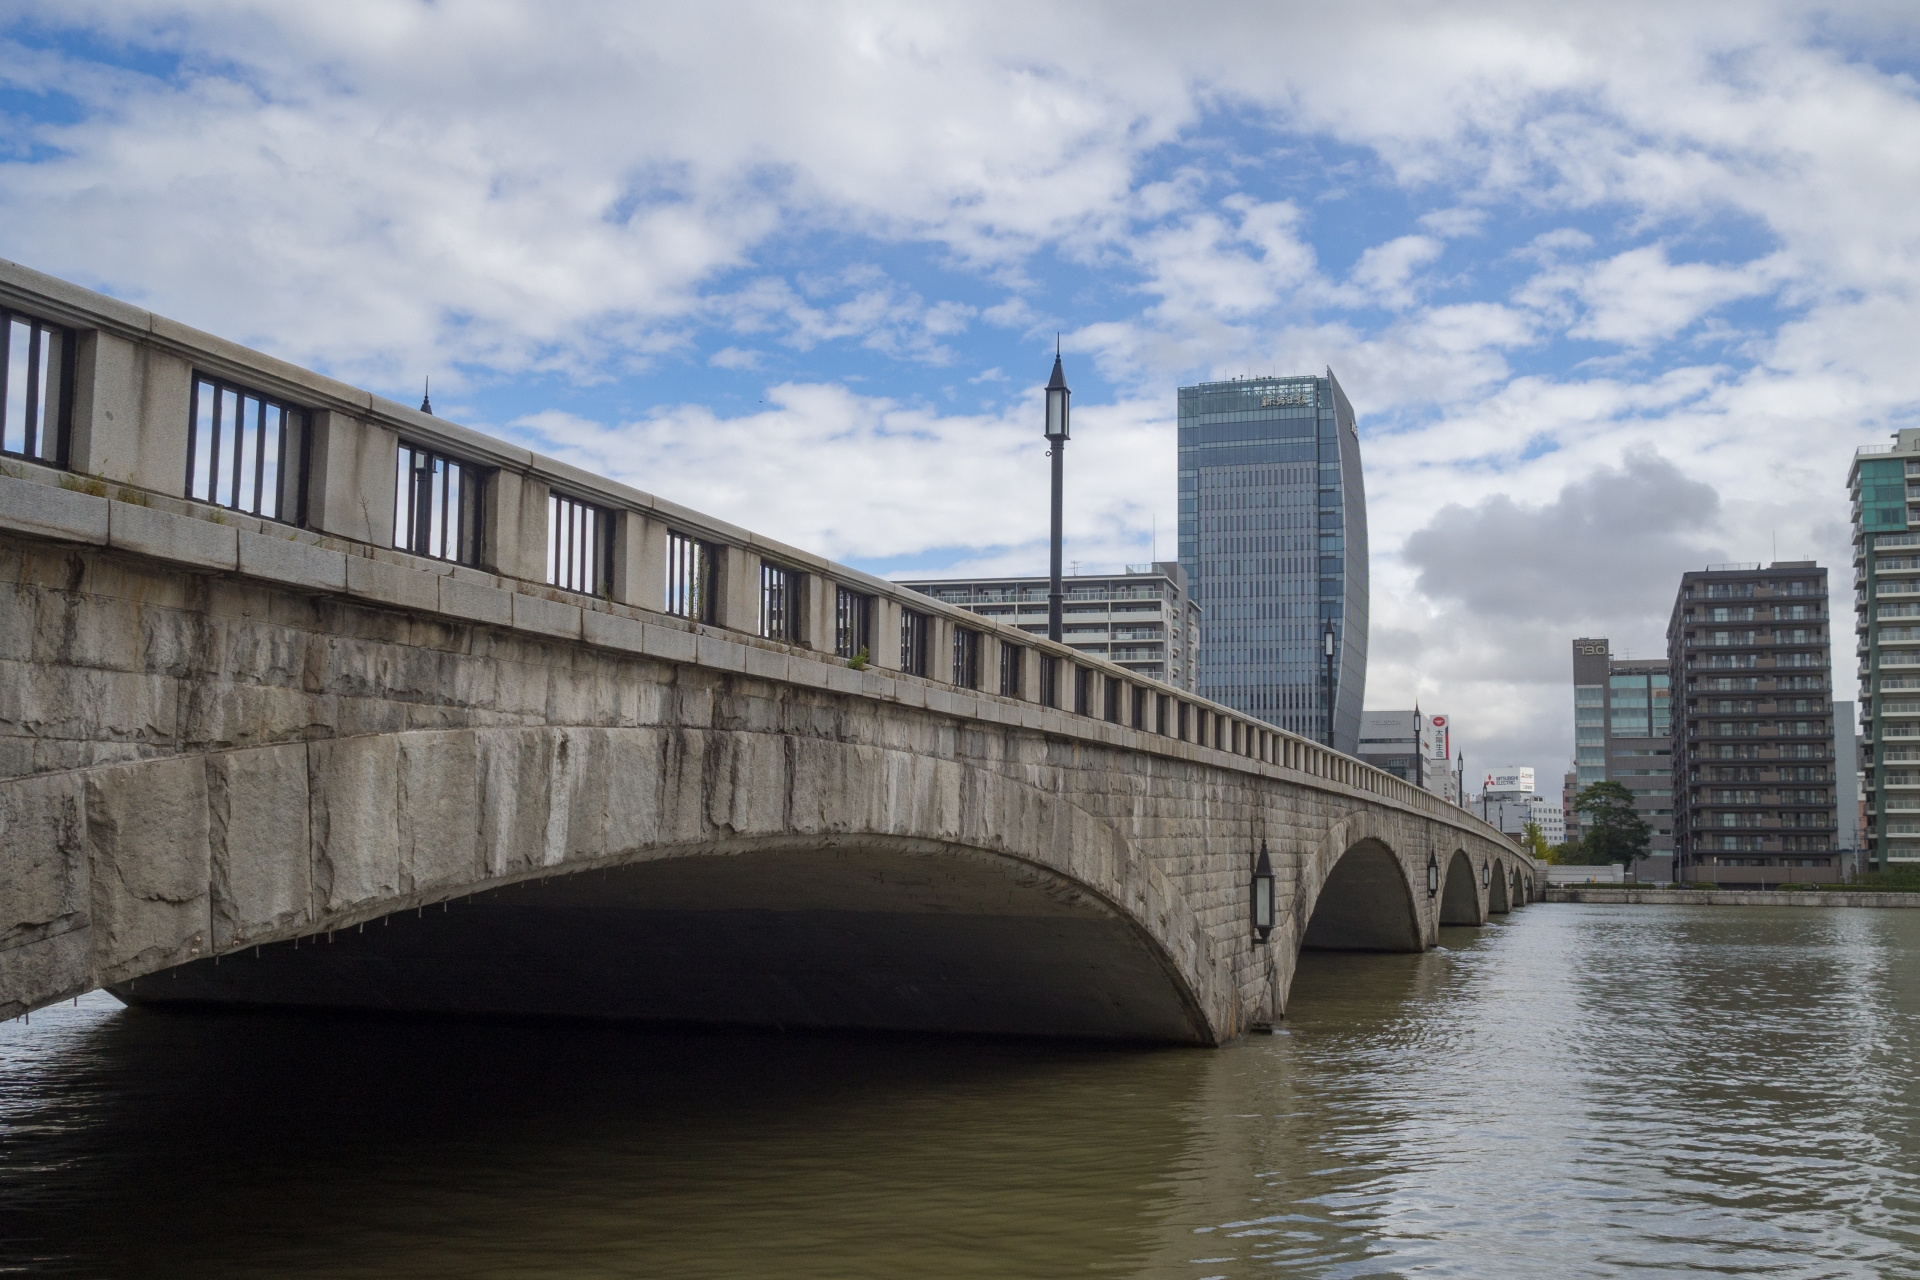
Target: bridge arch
x=1460, y=891
x=1499, y=890
x=714, y=876
x=1364, y=902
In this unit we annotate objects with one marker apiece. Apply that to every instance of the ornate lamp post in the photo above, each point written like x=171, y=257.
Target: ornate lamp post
x=1057, y=403
x=1433, y=876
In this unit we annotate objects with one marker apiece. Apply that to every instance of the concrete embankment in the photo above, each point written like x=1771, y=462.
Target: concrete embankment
x=1625, y=895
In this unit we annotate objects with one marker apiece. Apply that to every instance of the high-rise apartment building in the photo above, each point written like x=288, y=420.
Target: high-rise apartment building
x=1886, y=625
x=1273, y=533
x=1753, y=753
x=1144, y=619
x=1622, y=732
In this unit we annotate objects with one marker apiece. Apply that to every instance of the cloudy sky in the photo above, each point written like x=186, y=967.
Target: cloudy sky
x=1615, y=289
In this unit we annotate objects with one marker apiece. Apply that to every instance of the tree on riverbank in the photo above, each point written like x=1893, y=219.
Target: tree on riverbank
x=1615, y=833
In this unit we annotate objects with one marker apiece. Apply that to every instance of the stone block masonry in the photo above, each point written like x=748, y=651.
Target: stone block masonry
x=278, y=761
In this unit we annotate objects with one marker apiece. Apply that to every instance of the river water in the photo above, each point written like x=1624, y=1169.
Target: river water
x=1576, y=1091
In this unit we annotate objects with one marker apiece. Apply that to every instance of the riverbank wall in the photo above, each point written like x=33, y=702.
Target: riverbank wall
x=1627, y=895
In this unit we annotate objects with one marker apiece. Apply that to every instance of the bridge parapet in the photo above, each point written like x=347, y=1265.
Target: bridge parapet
x=327, y=492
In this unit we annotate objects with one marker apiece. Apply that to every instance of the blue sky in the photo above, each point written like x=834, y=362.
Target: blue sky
x=1615, y=293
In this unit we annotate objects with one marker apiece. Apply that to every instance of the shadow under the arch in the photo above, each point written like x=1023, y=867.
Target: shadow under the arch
x=846, y=938
x=1364, y=905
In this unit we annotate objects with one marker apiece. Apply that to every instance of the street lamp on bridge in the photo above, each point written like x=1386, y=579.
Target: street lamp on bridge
x=1433, y=876
x=1326, y=649
x=1058, y=397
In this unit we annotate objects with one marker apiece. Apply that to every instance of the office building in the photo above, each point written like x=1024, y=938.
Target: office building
x=1273, y=534
x=1412, y=746
x=1552, y=817
x=1144, y=619
x=1886, y=627
x=1753, y=762
x=1623, y=732
x=1505, y=799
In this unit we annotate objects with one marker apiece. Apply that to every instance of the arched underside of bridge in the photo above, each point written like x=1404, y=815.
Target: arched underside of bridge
x=1365, y=904
x=874, y=934
x=1459, y=895
x=1499, y=890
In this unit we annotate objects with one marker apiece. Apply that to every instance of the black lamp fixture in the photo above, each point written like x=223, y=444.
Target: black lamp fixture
x=1486, y=875
x=1058, y=403
x=1433, y=876
x=426, y=397
x=1262, y=895
x=1326, y=651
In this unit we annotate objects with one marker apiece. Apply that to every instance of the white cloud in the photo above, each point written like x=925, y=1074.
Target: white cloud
x=734, y=358
x=597, y=191
x=1640, y=297
x=1386, y=270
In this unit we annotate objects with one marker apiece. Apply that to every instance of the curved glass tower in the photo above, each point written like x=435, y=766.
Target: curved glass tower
x=1273, y=536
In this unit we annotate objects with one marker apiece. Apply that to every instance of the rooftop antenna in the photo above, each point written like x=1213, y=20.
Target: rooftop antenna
x=426, y=397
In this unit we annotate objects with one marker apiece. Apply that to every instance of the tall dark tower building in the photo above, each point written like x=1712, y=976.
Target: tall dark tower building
x=1273, y=536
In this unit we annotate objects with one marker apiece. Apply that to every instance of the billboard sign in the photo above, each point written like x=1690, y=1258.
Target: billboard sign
x=1510, y=778
x=1439, y=738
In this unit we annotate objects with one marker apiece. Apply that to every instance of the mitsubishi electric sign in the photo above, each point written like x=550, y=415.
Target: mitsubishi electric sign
x=1512, y=778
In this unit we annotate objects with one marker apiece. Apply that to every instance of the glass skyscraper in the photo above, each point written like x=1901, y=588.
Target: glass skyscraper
x=1273, y=536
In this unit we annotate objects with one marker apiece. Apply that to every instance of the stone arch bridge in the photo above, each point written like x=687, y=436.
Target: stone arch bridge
x=266, y=753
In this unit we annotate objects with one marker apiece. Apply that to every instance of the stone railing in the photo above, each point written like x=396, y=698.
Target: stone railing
x=128, y=398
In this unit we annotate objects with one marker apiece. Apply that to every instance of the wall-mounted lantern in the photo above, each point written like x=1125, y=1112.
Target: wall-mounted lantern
x=1486, y=874
x=1433, y=876
x=1262, y=896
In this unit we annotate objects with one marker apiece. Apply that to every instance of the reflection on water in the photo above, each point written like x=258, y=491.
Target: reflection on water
x=1584, y=1091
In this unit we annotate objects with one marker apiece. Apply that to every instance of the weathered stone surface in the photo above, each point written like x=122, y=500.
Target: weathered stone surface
x=48, y=512
x=296, y=563
x=183, y=539
x=355, y=824
x=402, y=585
x=262, y=867
x=149, y=865
x=437, y=811
x=38, y=973
x=295, y=764
x=463, y=599
x=43, y=857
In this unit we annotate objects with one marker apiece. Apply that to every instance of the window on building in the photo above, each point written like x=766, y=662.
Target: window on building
x=779, y=601
x=1013, y=661
x=966, y=658
x=36, y=383
x=852, y=618
x=246, y=452
x=579, y=539
x=914, y=627
x=437, y=507
x=691, y=570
